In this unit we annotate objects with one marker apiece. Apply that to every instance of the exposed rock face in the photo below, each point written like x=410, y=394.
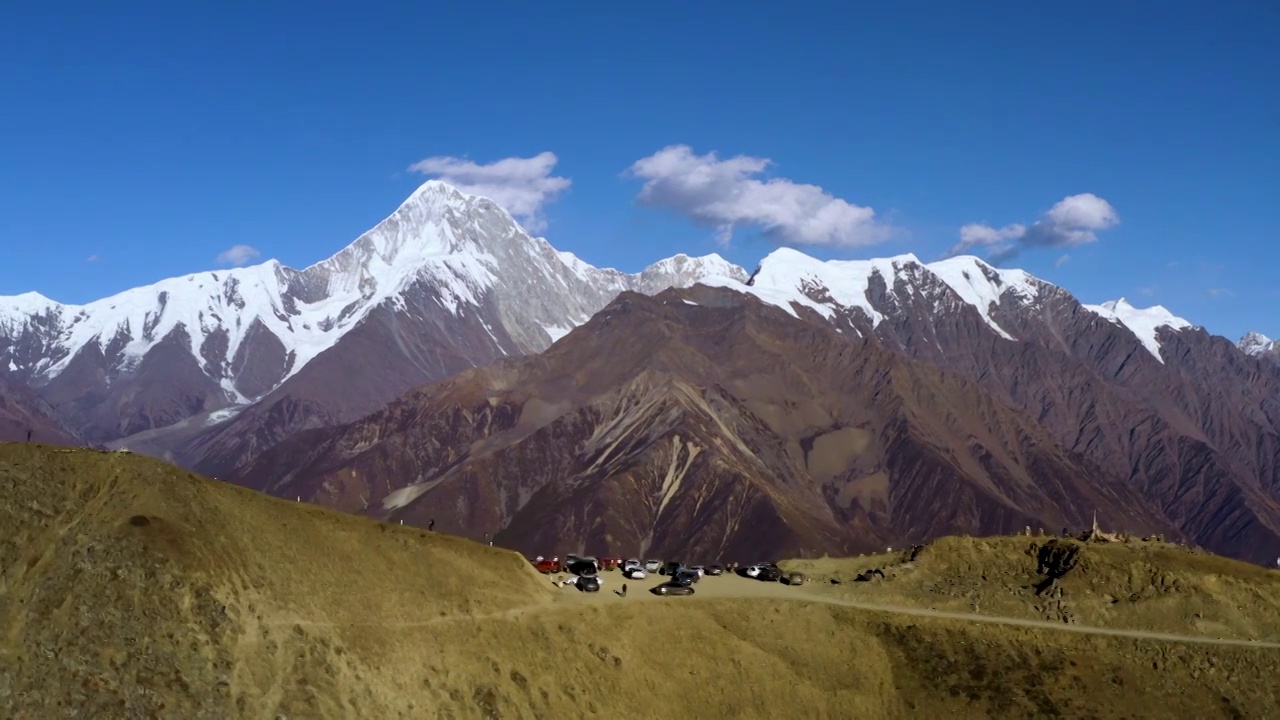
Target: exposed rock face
x=447, y=282
x=1183, y=416
x=1260, y=346
x=703, y=422
x=22, y=411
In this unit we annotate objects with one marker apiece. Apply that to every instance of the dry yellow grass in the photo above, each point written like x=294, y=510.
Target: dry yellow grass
x=226, y=604
x=1152, y=586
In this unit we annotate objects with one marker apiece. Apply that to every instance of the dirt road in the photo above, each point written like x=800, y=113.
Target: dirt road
x=734, y=587
x=728, y=587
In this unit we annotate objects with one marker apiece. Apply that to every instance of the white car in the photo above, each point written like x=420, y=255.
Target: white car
x=636, y=573
x=652, y=566
x=630, y=565
x=753, y=571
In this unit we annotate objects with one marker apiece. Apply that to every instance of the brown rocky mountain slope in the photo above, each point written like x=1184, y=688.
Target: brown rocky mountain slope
x=1198, y=434
x=21, y=410
x=1188, y=418
x=173, y=596
x=706, y=422
x=1185, y=418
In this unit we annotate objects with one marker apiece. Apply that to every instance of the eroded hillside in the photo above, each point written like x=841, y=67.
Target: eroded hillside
x=129, y=588
x=701, y=420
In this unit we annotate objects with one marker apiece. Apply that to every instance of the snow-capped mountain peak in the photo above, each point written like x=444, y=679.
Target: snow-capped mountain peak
x=1255, y=344
x=441, y=248
x=1145, y=323
x=789, y=278
x=983, y=286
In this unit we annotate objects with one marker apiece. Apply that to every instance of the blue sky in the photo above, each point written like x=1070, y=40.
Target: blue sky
x=144, y=141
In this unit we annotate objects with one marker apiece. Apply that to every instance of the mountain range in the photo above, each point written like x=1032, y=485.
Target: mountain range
x=447, y=282
x=703, y=421
x=448, y=366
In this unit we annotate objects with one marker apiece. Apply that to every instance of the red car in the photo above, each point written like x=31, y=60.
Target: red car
x=547, y=566
x=610, y=563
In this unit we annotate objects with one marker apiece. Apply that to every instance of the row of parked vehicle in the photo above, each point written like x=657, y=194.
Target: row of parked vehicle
x=586, y=569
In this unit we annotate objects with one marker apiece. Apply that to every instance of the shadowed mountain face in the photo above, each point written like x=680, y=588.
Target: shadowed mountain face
x=704, y=422
x=22, y=411
x=1186, y=418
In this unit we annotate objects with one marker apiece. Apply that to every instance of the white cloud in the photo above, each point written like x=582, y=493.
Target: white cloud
x=726, y=194
x=1062, y=260
x=93, y=258
x=522, y=186
x=1074, y=220
x=1221, y=292
x=975, y=234
x=238, y=255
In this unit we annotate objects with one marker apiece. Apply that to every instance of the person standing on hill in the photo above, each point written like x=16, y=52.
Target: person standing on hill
x=431, y=524
x=28, y=434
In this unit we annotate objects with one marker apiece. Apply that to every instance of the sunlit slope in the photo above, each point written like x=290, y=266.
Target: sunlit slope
x=130, y=588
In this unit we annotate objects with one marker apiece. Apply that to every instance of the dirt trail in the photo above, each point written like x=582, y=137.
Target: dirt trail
x=736, y=588
x=997, y=620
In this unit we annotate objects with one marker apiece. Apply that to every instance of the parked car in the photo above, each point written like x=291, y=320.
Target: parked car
x=700, y=569
x=672, y=589
x=715, y=569
x=685, y=577
x=671, y=568
x=752, y=571
x=770, y=573
x=547, y=566
x=582, y=565
x=584, y=583
x=652, y=566
x=610, y=563
x=632, y=564
x=635, y=574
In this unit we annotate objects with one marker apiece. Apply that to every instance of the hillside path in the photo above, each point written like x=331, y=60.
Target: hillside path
x=1039, y=624
x=735, y=588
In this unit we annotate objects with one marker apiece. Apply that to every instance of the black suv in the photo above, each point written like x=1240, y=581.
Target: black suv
x=685, y=577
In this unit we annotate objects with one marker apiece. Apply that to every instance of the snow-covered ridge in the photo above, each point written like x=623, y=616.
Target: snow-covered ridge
x=788, y=278
x=791, y=279
x=1256, y=344
x=307, y=310
x=464, y=247
x=470, y=252
x=1142, y=322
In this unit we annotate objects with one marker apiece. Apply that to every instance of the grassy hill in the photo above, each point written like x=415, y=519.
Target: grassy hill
x=1143, y=585
x=129, y=588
